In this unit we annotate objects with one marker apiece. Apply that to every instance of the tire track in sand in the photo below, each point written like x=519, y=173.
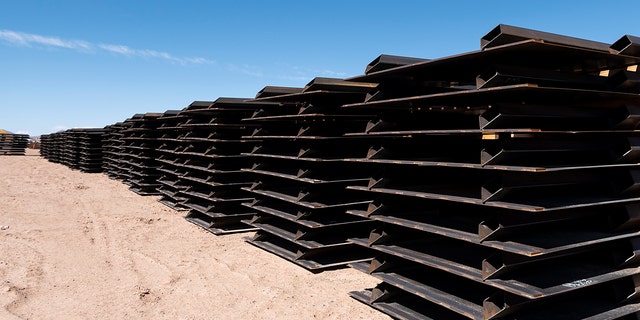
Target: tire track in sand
x=21, y=268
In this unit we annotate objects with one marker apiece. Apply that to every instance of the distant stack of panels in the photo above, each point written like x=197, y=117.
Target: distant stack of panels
x=169, y=143
x=506, y=184
x=79, y=148
x=59, y=140
x=51, y=146
x=112, y=150
x=120, y=163
x=46, y=145
x=210, y=160
x=301, y=200
x=137, y=162
x=90, y=149
x=70, y=151
x=12, y=144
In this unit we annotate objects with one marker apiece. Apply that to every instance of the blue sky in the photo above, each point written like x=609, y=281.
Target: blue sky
x=86, y=63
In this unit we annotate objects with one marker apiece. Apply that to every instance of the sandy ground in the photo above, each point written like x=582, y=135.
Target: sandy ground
x=81, y=246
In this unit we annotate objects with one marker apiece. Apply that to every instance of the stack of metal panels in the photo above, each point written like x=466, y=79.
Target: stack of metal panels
x=57, y=141
x=300, y=193
x=117, y=156
x=79, y=148
x=138, y=154
x=70, y=149
x=210, y=163
x=13, y=144
x=507, y=181
x=112, y=150
x=51, y=146
x=169, y=144
x=90, y=149
x=46, y=145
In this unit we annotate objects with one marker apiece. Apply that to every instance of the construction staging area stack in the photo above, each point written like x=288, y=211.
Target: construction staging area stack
x=80, y=148
x=13, y=144
x=502, y=183
x=211, y=163
x=169, y=143
x=507, y=184
x=112, y=149
x=300, y=182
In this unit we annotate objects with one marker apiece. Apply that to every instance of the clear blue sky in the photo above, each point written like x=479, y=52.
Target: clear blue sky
x=90, y=63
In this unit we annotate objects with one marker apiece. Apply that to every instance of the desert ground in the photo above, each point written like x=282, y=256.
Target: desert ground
x=76, y=245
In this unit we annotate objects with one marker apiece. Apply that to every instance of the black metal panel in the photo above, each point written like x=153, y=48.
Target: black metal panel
x=627, y=45
x=462, y=69
x=505, y=34
x=385, y=61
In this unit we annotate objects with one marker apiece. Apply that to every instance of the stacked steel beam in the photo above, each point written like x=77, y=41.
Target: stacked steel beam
x=138, y=154
x=507, y=184
x=209, y=161
x=170, y=143
x=13, y=144
x=300, y=193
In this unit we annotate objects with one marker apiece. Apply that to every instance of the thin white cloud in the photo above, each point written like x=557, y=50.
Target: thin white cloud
x=145, y=53
x=29, y=40
x=198, y=60
x=117, y=49
x=26, y=39
x=330, y=73
x=247, y=69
